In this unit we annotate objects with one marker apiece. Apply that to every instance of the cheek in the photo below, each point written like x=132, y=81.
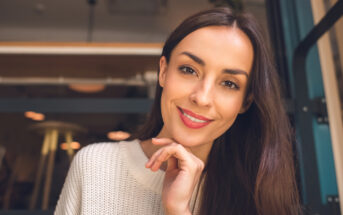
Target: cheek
x=176, y=87
x=229, y=116
x=228, y=108
x=173, y=90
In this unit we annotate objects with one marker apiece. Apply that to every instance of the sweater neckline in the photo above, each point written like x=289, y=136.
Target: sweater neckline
x=136, y=160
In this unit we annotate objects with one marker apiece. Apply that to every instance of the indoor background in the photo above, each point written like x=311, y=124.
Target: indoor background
x=73, y=73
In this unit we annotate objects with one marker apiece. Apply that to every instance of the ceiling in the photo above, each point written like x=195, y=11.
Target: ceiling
x=111, y=20
x=64, y=20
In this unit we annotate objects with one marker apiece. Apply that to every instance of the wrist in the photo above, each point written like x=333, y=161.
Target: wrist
x=178, y=212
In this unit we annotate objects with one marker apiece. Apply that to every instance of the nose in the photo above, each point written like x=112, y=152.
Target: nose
x=202, y=95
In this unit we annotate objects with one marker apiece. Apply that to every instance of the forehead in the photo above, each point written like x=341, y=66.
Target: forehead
x=222, y=46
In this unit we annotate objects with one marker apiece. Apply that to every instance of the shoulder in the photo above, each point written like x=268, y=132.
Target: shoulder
x=98, y=148
x=101, y=153
x=94, y=150
x=103, y=148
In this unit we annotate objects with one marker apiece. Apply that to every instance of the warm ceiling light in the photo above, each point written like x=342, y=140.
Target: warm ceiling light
x=34, y=116
x=38, y=117
x=74, y=145
x=118, y=135
x=87, y=88
x=29, y=114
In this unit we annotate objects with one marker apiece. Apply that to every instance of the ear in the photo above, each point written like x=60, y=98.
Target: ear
x=247, y=103
x=163, y=71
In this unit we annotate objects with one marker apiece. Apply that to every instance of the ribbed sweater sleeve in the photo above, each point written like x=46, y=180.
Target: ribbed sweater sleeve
x=70, y=198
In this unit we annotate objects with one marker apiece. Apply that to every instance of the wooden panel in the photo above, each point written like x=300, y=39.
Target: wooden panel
x=332, y=96
x=85, y=66
x=80, y=44
x=81, y=48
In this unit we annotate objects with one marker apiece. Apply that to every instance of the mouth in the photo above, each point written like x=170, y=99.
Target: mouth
x=193, y=120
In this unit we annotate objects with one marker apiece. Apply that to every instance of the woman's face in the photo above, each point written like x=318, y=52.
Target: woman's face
x=204, y=84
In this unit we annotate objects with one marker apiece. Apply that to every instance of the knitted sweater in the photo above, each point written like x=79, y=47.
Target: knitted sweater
x=111, y=178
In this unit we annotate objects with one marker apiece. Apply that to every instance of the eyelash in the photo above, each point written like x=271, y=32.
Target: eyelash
x=231, y=85
x=190, y=71
x=187, y=70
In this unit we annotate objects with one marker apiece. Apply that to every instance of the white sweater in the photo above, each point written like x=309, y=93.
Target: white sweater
x=111, y=178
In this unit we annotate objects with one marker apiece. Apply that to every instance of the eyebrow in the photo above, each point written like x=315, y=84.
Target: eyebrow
x=236, y=72
x=195, y=58
x=202, y=63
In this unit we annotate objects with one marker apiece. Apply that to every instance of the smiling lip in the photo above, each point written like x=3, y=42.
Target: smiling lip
x=191, y=123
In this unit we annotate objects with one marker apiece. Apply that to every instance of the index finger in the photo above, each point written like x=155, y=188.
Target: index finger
x=166, y=141
x=162, y=141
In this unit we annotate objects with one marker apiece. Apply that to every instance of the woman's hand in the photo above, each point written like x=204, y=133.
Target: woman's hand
x=182, y=174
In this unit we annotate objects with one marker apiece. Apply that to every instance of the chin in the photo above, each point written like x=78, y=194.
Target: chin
x=188, y=140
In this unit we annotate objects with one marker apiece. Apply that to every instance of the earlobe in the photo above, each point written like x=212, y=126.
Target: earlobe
x=163, y=71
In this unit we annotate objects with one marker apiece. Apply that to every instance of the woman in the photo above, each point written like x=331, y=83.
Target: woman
x=216, y=142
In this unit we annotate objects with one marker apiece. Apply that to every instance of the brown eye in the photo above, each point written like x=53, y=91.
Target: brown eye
x=230, y=85
x=187, y=70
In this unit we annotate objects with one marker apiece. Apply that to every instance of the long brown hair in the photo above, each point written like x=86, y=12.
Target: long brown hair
x=250, y=168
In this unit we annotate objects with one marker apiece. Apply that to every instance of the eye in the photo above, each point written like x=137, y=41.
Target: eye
x=230, y=85
x=187, y=70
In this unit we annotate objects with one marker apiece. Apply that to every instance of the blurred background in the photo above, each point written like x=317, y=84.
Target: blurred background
x=78, y=72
